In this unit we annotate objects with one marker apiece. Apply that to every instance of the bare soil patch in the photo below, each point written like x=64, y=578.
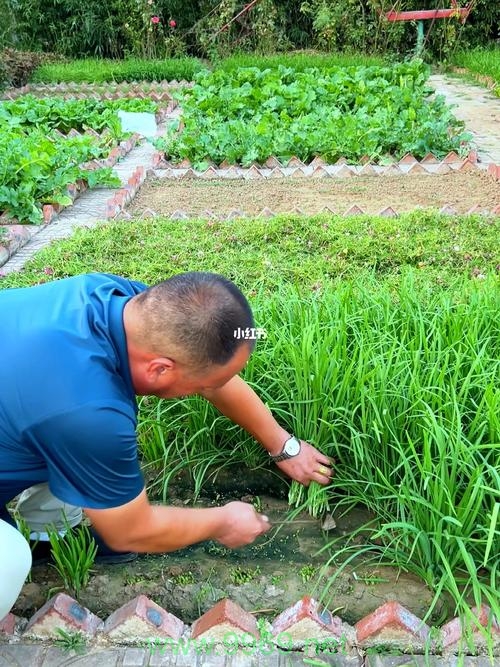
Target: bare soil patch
x=265, y=578
x=460, y=190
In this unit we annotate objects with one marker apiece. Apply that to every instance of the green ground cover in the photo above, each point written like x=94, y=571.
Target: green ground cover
x=381, y=350
x=299, y=60
x=94, y=70
x=97, y=70
x=482, y=62
x=249, y=114
x=38, y=160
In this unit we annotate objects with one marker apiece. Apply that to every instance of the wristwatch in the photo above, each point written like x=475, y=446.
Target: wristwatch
x=290, y=449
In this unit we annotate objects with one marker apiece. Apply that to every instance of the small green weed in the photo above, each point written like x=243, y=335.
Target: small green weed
x=243, y=575
x=298, y=61
x=307, y=572
x=71, y=641
x=184, y=578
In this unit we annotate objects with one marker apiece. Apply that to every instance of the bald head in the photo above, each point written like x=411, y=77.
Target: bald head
x=192, y=317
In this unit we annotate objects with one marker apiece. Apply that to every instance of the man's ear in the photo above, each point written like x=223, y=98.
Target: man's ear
x=160, y=368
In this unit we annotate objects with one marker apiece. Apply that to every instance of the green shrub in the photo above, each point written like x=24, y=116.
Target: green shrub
x=121, y=28
x=16, y=67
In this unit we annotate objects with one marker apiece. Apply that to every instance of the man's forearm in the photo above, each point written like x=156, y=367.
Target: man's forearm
x=241, y=404
x=140, y=526
x=172, y=528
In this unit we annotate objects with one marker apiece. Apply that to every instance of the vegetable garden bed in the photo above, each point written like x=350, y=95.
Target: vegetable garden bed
x=51, y=149
x=248, y=115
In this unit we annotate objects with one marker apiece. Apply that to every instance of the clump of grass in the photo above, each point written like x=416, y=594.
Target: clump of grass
x=482, y=61
x=71, y=641
x=73, y=556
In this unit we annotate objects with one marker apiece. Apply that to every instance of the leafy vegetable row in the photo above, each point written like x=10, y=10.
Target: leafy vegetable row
x=65, y=115
x=250, y=114
x=37, y=162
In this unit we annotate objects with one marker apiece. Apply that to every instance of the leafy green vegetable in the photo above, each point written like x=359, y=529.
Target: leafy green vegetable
x=36, y=169
x=250, y=114
x=42, y=149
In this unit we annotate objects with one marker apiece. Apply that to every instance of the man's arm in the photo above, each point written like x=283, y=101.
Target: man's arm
x=140, y=526
x=241, y=404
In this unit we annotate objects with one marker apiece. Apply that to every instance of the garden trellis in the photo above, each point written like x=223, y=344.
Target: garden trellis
x=421, y=15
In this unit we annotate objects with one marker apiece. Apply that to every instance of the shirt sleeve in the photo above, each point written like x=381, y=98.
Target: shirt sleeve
x=91, y=455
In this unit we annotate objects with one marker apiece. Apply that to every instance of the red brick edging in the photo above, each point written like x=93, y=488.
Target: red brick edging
x=302, y=626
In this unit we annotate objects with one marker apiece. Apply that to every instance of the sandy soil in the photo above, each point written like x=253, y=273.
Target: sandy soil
x=462, y=191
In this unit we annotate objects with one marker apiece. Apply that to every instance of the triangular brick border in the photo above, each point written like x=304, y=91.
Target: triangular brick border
x=273, y=168
x=302, y=626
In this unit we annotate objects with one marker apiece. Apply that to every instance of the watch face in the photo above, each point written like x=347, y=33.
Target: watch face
x=292, y=447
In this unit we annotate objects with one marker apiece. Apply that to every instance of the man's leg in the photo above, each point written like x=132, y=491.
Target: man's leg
x=41, y=509
x=15, y=564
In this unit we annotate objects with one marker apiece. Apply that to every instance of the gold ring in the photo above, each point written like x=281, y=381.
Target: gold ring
x=323, y=470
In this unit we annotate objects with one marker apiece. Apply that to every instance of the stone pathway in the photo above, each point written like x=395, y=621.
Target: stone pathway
x=478, y=108
x=24, y=655
x=88, y=209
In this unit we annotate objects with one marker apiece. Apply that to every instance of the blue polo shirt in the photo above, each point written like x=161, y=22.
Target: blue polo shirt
x=67, y=405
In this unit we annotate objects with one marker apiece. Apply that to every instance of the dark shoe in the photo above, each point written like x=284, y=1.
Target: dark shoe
x=42, y=552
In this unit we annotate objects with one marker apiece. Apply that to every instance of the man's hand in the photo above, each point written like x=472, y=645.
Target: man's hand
x=242, y=524
x=140, y=526
x=308, y=466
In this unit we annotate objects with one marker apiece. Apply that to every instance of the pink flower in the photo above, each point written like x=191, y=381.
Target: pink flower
x=155, y=19
x=172, y=23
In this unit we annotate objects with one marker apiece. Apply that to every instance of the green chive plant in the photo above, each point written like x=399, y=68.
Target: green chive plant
x=73, y=555
x=390, y=369
x=400, y=388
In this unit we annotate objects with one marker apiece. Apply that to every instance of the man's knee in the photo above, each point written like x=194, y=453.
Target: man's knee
x=40, y=509
x=15, y=564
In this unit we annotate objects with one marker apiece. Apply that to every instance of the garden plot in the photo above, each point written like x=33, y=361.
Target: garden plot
x=268, y=576
x=313, y=141
x=460, y=192
x=355, y=114
x=403, y=335
x=51, y=148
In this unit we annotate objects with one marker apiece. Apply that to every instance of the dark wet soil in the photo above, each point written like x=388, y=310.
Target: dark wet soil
x=264, y=578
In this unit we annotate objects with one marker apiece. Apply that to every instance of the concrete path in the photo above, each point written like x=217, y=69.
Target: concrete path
x=88, y=209
x=478, y=108
x=25, y=655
